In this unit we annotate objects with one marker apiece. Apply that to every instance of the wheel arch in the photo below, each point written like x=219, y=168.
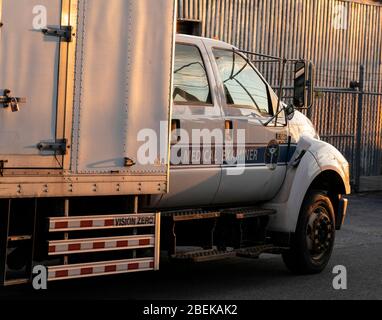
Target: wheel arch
x=329, y=180
x=333, y=184
x=308, y=176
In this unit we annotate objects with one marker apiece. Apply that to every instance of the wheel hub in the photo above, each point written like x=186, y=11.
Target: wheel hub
x=319, y=232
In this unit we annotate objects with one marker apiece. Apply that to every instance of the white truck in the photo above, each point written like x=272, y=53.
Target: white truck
x=120, y=140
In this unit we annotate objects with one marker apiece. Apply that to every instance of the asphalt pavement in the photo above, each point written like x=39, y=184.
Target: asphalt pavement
x=358, y=248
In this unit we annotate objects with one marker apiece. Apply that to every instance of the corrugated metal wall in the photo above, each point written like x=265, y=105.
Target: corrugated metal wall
x=338, y=36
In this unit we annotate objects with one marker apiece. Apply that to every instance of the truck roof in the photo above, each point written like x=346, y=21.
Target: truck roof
x=212, y=42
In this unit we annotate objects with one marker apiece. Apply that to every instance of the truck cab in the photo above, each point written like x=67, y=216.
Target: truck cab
x=216, y=89
x=223, y=108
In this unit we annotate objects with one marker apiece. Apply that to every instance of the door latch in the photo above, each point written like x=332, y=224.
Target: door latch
x=2, y=165
x=64, y=33
x=57, y=147
x=8, y=101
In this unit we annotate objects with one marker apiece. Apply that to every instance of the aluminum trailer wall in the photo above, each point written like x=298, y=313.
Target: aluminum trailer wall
x=84, y=96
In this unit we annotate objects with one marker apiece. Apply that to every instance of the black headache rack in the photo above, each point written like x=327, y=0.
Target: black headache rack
x=291, y=79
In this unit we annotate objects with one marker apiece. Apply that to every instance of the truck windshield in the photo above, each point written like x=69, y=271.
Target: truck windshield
x=242, y=84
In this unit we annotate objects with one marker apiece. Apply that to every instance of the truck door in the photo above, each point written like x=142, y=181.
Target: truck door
x=31, y=117
x=195, y=173
x=247, y=101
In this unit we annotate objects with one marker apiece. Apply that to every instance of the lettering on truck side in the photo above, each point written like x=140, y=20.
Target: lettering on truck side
x=134, y=221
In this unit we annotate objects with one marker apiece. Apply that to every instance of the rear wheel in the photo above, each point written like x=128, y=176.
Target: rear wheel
x=313, y=243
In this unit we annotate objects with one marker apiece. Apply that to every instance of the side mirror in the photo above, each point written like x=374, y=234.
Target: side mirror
x=303, y=85
x=289, y=112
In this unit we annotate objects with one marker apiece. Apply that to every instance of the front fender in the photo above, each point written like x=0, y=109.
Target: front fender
x=330, y=159
x=318, y=157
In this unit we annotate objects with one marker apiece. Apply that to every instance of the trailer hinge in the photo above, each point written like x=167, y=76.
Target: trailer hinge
x=65, y=33
x=58, y=147
x=2, y=164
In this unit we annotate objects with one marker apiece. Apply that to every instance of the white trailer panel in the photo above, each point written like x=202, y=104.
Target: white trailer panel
x=90, y=96
x=29, y=64
x=123, y=81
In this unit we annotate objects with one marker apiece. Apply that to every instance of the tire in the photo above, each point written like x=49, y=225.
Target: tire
x=313, y=242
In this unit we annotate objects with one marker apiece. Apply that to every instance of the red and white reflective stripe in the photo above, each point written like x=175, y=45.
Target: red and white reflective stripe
x=100, y=244
x=99, y=268
x=64, y=224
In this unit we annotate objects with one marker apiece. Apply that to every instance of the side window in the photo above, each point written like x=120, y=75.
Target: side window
x=190, y=78
x=242, y=84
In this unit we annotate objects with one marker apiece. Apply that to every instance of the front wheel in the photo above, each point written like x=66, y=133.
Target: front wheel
x=313, y=243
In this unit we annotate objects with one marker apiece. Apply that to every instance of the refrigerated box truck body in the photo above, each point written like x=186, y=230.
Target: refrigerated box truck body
x=96, y=176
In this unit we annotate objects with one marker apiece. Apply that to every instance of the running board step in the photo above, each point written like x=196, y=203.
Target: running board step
x=15, y=282
x=203, y=255
x=84, y=270
x=214, y=254
x=248, y=212
x=255, y=252
x=187, y=215
x=199, y=214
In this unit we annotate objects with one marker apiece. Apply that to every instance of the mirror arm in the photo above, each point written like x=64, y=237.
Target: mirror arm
x=311, y=84
x=282, y=74
x=265, y=124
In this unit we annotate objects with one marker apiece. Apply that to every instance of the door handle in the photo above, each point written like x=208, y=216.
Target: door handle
x=228, y=126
